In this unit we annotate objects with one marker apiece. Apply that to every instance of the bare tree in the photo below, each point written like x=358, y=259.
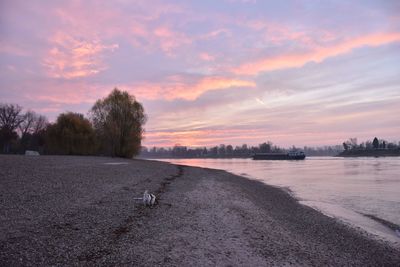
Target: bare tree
x=30, y=129
x=40, y=124
x=10, y=119
x=10, y=116
x=26, y=125
x=32, y=123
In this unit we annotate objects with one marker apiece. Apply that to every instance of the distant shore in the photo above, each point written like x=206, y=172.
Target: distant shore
x=59, y=210
x=370, y=153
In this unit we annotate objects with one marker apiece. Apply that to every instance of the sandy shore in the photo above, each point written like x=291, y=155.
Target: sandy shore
x=81, y=211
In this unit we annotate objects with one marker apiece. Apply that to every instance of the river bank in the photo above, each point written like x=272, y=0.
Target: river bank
x=370, y=153
x=80, y=211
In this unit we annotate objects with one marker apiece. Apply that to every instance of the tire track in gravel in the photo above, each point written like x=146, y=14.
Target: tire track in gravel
x=131, y=223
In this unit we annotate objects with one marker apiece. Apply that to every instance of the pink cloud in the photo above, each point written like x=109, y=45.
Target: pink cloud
x=206, y=56
x=157, y=38
x=104, y=22
x=278, y=34
x=177, y=87
x=169, y=40
x=317, y=54
x=72, y=57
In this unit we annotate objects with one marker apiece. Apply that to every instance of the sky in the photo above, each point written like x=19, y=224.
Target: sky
x=212, y=72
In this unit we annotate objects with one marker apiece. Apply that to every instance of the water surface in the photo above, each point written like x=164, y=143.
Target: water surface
x=345, y=188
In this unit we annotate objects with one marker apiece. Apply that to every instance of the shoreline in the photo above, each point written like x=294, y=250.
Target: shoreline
x=379, y=228
x=79, y=210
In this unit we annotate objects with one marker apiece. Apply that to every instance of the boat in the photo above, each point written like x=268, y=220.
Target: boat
x=291, y=155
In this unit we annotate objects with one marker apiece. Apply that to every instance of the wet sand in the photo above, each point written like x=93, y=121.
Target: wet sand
x=58, y=210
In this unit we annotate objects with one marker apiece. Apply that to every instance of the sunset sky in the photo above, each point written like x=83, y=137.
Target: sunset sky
x=212, y=72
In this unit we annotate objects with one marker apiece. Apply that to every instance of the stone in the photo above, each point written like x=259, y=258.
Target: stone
x=31, y=153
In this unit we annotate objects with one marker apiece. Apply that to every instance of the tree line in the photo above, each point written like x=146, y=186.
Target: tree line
x=229, y=151
x=114, y=127
x=375, y=144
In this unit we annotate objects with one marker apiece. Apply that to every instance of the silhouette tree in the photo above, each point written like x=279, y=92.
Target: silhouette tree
x=265, y=147
x=375, y=143
x=10, y=119
x=221, y=150
x=353, y=142
x=30, y=129
x=229, y=150
x=345, y=146
x=118, y=121
x=26, y=125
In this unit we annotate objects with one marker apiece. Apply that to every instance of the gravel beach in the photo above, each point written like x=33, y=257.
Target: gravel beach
x=62, y=210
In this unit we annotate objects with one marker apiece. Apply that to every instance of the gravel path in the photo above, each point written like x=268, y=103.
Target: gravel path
x=58, y=210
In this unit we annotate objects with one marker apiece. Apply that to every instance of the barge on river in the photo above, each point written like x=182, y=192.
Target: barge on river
x=292, y=155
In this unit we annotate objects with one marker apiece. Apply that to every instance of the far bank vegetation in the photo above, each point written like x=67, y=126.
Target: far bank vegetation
x=114, y=128
x=371, y=148
x=229, y=151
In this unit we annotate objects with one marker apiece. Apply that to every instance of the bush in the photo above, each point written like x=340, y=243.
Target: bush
x=72, y=134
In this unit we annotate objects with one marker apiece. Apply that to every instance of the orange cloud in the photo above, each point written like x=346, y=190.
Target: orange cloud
x=178, y=88
x=71, y=57
x=317, y=54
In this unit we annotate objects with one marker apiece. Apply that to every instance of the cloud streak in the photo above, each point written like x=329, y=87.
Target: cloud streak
x=316, y=54
x=180, y=87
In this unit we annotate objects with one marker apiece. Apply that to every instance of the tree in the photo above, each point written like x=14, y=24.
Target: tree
x=375, y=143
x=31, y=129
x=179, y=151
x=392, y=145
x=368, y=145
x=10, y=119
x=72, y=134
x=26, y=126
x=345, y=146
x=229, y=150
x=265, y=147
x=221, y=150
x=213, y=151
x=384, y=144
x=353, y=142
x=118, y=121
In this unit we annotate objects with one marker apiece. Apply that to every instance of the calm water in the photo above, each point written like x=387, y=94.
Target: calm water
x=344, y=188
